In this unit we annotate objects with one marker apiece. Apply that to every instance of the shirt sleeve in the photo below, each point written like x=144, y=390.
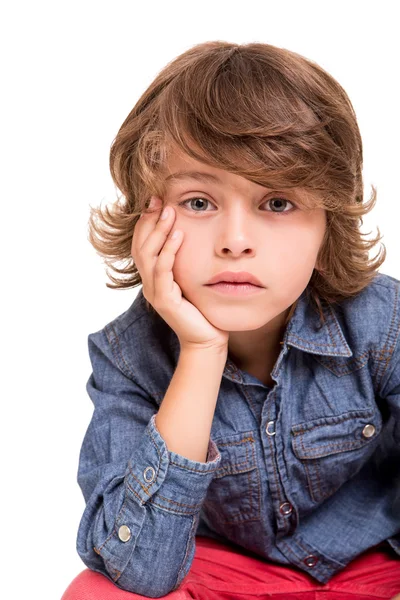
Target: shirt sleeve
x=142, y=501
x=390, y=392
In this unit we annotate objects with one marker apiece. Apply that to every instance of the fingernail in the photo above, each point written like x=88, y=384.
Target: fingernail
x=164, y=214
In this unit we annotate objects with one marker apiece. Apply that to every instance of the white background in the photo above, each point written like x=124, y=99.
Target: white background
x=71, y=72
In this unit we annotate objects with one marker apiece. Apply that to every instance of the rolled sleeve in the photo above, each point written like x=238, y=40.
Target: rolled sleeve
x=142, y=501
x=185, y=482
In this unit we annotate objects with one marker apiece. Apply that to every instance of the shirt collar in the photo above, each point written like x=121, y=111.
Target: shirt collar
x=306, y=332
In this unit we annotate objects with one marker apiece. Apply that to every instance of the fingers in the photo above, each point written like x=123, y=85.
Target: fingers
x=163, y=279
x=144, y=225
x=154, y=230
x=155, y=250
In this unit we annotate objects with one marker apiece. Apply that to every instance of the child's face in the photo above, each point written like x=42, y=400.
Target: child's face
x=233, y=228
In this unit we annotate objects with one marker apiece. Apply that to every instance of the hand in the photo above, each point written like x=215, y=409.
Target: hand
x=154, y=253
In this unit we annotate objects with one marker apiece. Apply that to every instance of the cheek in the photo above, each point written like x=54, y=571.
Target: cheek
x=295, y=258
x=190, y=263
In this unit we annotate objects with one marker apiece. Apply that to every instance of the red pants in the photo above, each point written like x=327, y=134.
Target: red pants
x=221, y=572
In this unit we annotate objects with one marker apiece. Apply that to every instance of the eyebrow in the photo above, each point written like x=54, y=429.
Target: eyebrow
x=197, y=175
x=201, y=176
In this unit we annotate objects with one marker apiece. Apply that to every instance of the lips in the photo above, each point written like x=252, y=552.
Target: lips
x=235, y=277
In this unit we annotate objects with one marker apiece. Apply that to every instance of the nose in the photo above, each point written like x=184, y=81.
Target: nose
x=236, y=234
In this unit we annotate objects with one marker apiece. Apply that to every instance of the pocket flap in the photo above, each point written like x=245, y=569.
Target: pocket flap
x=237, y=454
x=332, y=435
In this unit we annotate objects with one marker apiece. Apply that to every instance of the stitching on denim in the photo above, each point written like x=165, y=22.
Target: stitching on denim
x=310, y=482
x=134, y=491
x=392, y=321
x=248, y=397
x=172, y=462
x=321, y=567
x=327, y=492
x=191, y=470
x=115, y=344
x=257, y=509
x=391, y=350
x=288, y=548
x=271, y=445
x=174, y=511
x=192, y=506
x=114, y=530
x=312, y=345
x=252, y=472
x=247, y=439
x=343, y=369
x=248, y=465
x=300, y=429
x=146, y=490
x=117, y=574
x=316, y=452
x=190, y=542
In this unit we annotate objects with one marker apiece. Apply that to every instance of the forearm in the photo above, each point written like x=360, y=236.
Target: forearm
x=186, y=413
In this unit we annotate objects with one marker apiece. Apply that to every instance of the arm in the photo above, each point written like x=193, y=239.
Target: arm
x=187, y=410
x=130, y=477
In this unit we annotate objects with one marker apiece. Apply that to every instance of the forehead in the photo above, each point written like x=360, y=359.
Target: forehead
x=181, y=167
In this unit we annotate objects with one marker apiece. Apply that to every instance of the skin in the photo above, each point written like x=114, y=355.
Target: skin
x=239, y=230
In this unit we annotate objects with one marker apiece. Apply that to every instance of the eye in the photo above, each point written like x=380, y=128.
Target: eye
x=281, y=202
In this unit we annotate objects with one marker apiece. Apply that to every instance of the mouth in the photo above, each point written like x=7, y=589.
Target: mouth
x=234, y=278
x=233, y=283
x=234, y=288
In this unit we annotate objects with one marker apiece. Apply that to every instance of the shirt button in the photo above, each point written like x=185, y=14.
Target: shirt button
x=270, y=428
x=286, y=509
x=368, y=431
x=149, y=474
x=124, y=533
x=310, y=561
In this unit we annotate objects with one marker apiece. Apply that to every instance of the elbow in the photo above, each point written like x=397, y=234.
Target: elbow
x=149, y=581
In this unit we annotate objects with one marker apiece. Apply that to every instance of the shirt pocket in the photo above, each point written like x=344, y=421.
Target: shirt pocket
x=234, y=494
x=333, y=449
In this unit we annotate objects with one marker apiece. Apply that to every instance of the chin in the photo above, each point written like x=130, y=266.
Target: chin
x=237, y=318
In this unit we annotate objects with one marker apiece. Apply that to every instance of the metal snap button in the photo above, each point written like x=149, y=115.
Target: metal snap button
x=149, y=474
x=310, y=561
x=124, y=533
x=368, y=431
x=286, y=509
x=270, y=428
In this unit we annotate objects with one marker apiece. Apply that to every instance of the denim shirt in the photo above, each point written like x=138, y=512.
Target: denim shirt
x=305, y=473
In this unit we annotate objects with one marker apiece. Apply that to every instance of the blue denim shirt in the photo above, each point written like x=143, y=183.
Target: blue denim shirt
x=306, y=473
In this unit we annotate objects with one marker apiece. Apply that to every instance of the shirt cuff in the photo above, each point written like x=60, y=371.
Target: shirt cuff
x=185, y=482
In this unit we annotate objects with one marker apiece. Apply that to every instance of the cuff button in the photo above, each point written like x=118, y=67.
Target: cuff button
x=149, y=474
x=124, y=533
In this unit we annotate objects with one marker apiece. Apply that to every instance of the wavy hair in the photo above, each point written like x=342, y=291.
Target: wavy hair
x=259, y=111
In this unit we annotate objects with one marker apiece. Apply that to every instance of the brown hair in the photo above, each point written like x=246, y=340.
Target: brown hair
x=259, y=111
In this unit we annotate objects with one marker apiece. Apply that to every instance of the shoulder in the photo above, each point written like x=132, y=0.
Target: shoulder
x=140, y=344
x=376, y=306
x=372, y=321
